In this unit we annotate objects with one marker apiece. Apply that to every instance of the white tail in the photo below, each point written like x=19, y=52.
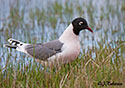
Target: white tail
x=16, y=44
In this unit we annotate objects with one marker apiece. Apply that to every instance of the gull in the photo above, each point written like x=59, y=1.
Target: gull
x=62, y=50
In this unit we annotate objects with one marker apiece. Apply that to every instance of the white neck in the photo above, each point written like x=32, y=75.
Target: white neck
x=68, y=35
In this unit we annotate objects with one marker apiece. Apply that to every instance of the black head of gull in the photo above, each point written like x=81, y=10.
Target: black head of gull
x=80, y=24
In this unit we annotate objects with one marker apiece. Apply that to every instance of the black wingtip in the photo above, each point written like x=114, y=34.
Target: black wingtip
x=10, y=46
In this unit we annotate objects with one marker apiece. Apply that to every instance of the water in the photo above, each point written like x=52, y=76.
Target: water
x=42, y=21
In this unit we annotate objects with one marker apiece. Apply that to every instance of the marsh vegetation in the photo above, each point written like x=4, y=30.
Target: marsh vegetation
x=102, y=56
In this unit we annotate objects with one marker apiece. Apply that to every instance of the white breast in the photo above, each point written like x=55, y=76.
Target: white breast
x=71, y=47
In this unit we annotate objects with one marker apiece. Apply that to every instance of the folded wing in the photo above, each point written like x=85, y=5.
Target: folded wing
x=44, y=51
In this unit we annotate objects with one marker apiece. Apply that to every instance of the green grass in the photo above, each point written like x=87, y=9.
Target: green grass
x=103, y=62
x=84, y=72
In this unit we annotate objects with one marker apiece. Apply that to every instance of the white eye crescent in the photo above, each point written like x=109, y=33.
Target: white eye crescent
x=80, y=23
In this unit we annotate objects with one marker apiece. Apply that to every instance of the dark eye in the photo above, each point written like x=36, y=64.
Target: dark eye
x=80, y=23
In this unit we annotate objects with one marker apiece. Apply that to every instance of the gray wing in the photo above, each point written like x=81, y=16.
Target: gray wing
x=44, y=51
